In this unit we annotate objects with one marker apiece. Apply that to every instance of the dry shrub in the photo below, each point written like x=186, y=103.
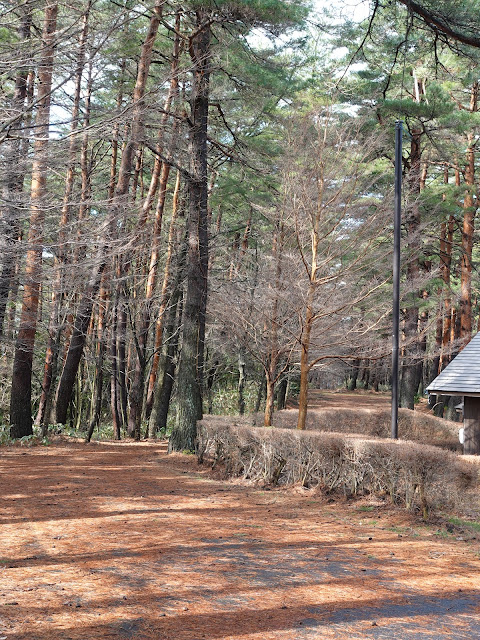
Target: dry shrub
x=420, y=477
x=412, y=425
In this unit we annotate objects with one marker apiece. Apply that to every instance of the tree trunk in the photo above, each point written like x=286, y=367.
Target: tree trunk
x=75, y=349
x=163, y=299
x=304, y=364
x=269, y=402
x=61, y=255
x=96, y=407
x=158, y=418
x=467, y=233
x=65, y=388
x=241, y=380
x=20, y=399
x=445, y=356
x=282, y=391
x=261, y=393
x=191, y=367
x=411, y=352
x=114, y=402
x=138, y=382
x=14, y=174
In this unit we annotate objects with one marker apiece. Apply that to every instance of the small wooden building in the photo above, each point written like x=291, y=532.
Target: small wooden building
x=462, y=378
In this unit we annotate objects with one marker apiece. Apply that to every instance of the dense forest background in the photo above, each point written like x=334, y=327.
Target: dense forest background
x=196, y=205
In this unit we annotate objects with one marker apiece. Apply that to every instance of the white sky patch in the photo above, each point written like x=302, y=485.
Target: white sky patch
x=356, y=10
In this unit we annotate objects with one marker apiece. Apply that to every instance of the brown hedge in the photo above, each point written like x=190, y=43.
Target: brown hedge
x=420, y=477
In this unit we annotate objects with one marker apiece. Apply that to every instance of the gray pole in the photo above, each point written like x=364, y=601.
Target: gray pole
x=396, y=274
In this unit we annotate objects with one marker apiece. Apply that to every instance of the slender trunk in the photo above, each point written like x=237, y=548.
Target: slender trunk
x=172, y=322
x=114, y=375
x=304, y=363
x=448, y=332
x=75, y=349
x=210, y=382
x=119, y=201
x=122, y=357
x=269, y=401
x=158, y=418
x=14, y=174
x=467, y=233
x=96, y=407
x=410, y=364
x=163, y=299
x=261, y=393
x=138, y=382
x=282, y=390
x=191, y=367
x=241, y=380
x=20, y=399
x=309, y=319
x=61, y=254
x=172, y=94
x=274, y=353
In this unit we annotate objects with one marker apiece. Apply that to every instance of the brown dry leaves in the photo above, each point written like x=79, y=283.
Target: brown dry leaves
x=121, y=541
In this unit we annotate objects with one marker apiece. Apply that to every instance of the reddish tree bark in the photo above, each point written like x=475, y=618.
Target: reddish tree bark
x=119, y=201
x=20, y=399
x=14, y=173
x=51, y=354
x=467, y=232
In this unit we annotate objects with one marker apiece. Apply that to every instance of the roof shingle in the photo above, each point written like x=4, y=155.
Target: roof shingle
x=462, y=374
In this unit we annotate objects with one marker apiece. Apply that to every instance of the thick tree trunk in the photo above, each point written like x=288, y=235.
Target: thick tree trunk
x=20, y=399
x=191, y=367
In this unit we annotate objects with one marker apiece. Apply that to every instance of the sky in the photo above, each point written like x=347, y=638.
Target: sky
x=352, y=9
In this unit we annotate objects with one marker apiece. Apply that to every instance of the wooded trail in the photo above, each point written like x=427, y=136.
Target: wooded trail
x=119, y=540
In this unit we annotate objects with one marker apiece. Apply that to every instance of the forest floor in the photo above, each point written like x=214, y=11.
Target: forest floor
x=119, y=540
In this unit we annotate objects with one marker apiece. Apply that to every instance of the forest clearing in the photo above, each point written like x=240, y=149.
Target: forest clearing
x=120, y=540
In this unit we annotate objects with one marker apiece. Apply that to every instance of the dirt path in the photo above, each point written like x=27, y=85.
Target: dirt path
x=342, y=399
x=121, y=541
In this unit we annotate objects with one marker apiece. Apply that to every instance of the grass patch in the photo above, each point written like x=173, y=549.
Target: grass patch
x=470, y=524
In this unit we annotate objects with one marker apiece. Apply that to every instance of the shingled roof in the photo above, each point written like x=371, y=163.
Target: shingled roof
x=462, y=376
